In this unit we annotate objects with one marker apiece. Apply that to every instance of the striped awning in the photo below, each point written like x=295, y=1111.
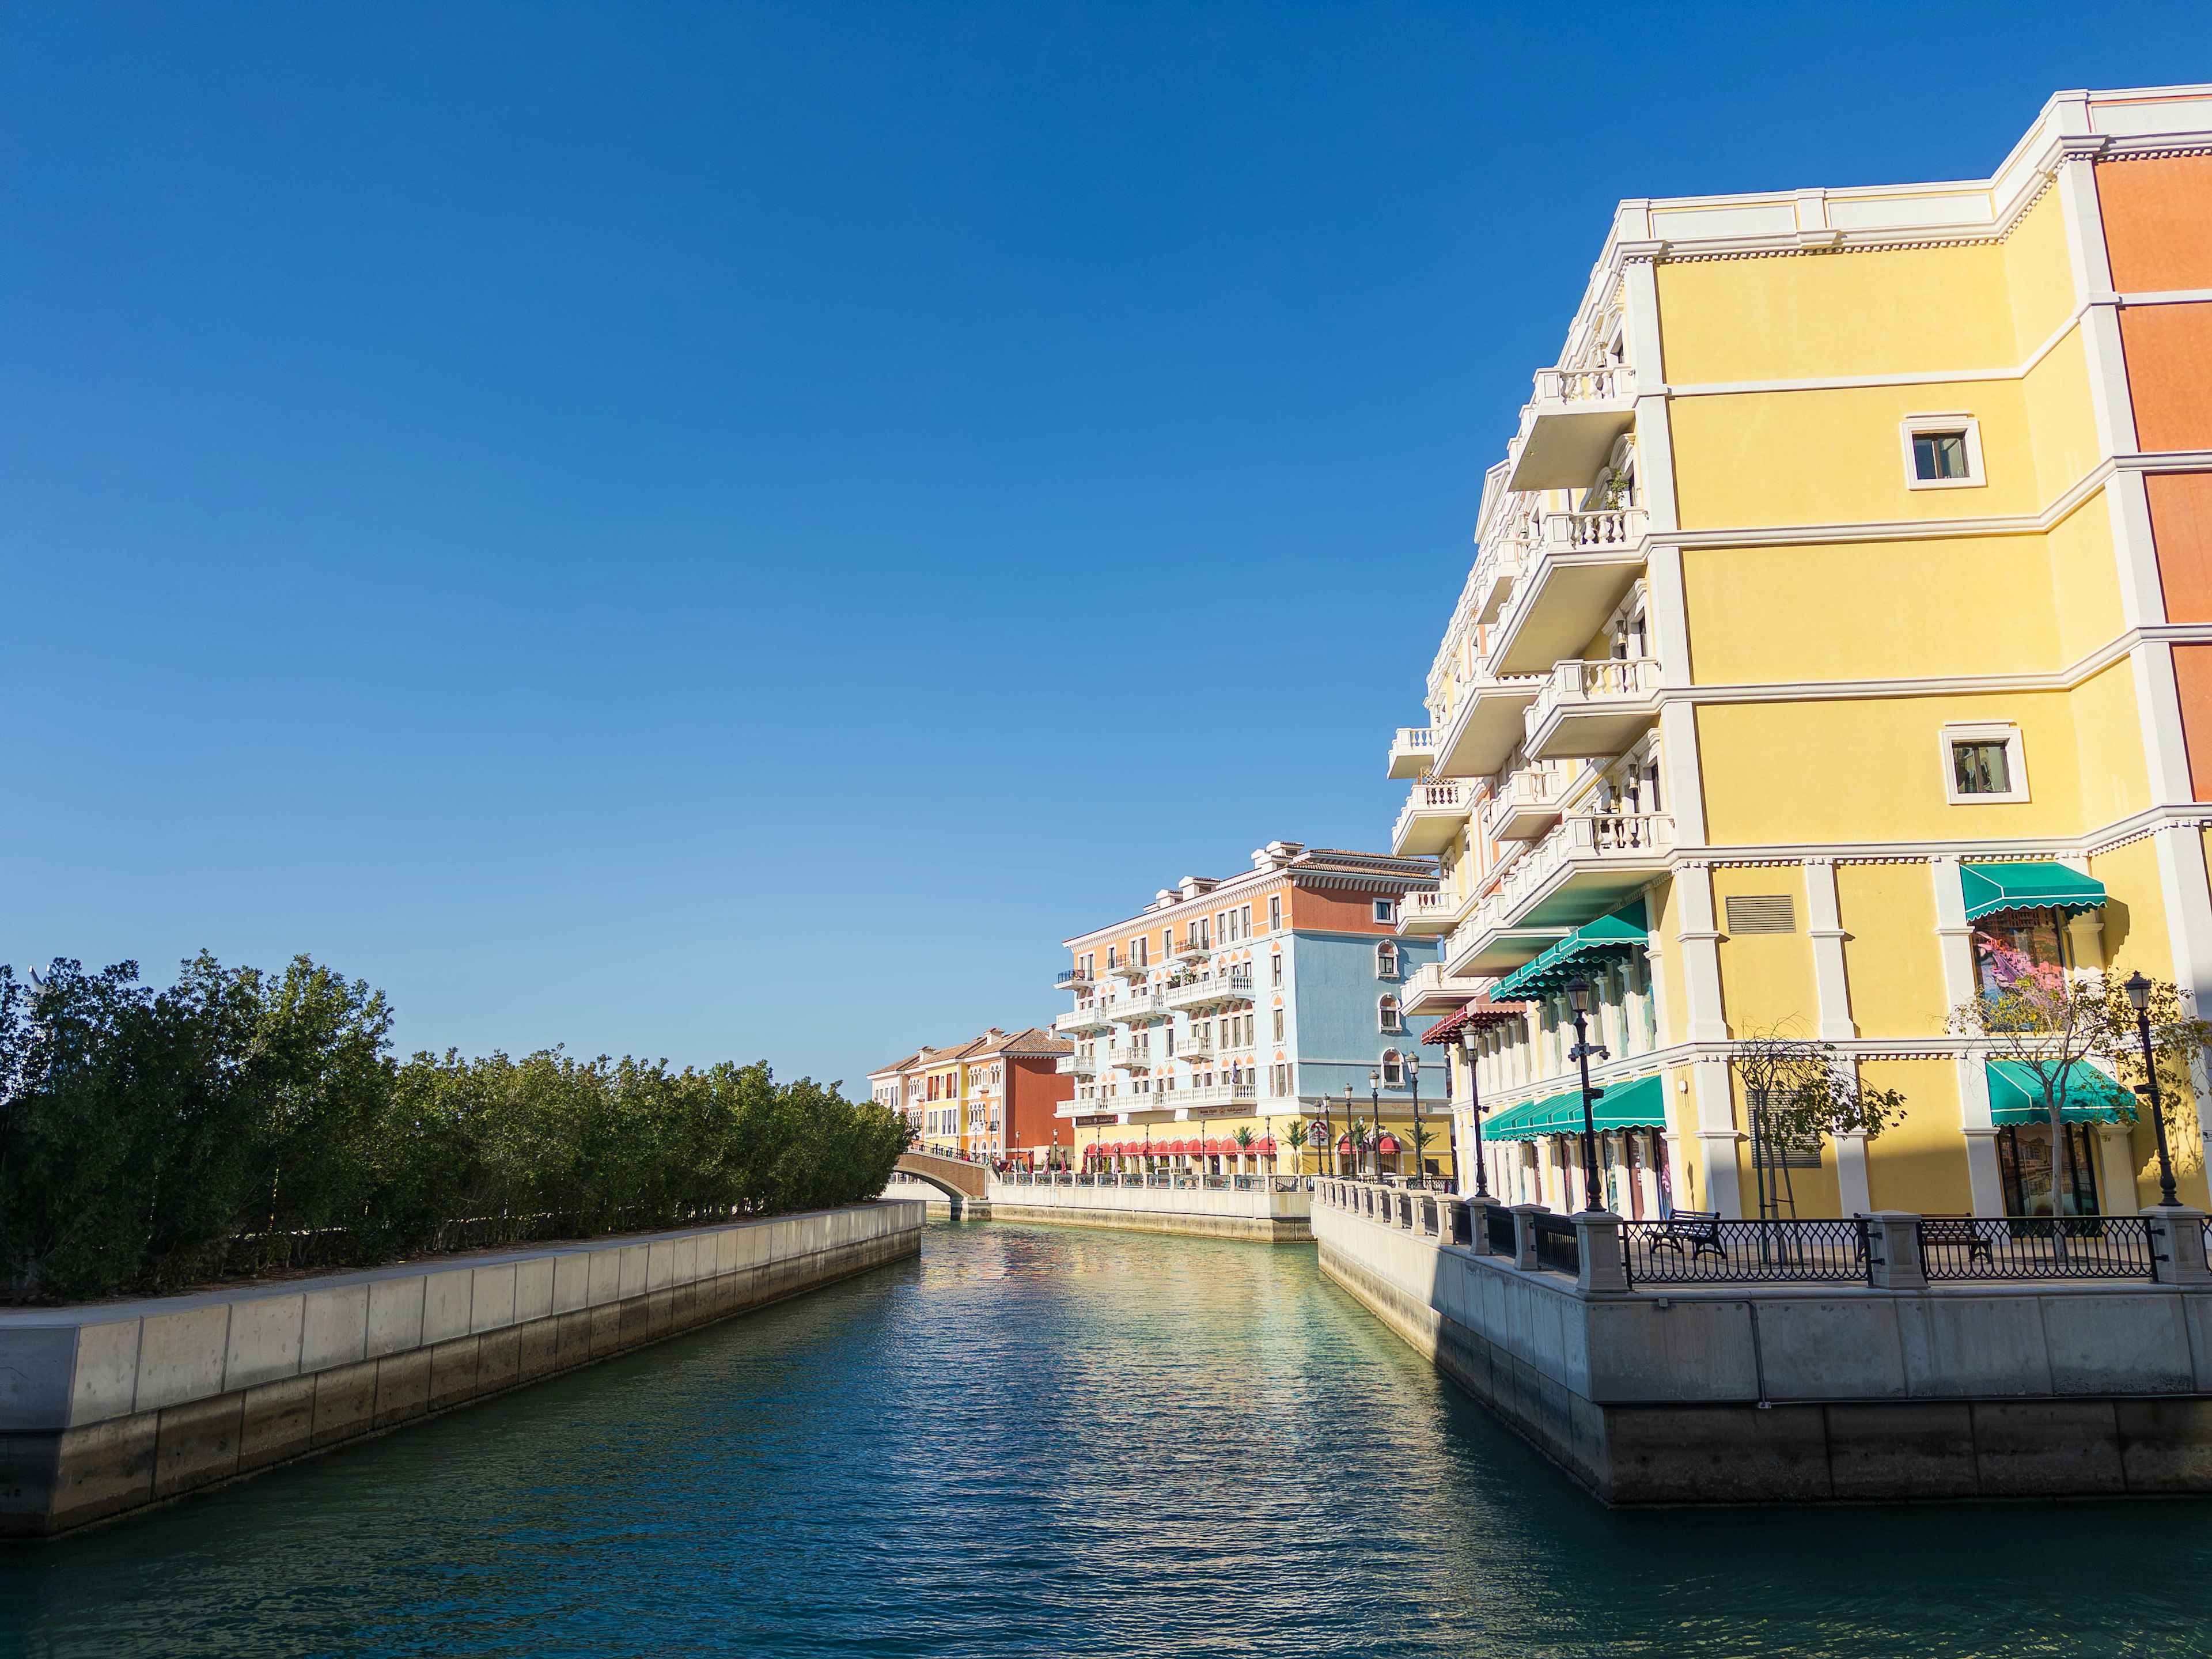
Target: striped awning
x=1639, y=1104
x=1476, y=1016
x=2027, y=885
x=1607, y=939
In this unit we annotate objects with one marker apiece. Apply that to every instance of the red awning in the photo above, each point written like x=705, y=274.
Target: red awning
x=1390, y=1143
x=1344, y=1143
x=1477, y=1016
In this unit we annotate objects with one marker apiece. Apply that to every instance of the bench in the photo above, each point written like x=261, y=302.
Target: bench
x=1695, y=1230
x=1954, y=1230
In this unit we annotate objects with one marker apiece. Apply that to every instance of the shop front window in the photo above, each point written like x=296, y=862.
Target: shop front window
x=2013, y=945
x=2024, y=1157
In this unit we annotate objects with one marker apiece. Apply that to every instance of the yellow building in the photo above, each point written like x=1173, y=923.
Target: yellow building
x=1841, y=621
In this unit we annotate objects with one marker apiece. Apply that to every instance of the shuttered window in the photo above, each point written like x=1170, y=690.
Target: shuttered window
x=1761, y=912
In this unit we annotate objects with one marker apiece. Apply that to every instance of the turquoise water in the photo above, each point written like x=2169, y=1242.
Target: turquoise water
x=1043, y=1441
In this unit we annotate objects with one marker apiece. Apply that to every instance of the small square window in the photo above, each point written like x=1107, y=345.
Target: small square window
x=1385, y=910
x=1979, y=768
x=1983, y=765
x=1942, y=451
x=1939, y=455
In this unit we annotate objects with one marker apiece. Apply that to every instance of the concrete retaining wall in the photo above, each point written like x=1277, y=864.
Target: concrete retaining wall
x=108, y=1408
x=1752, y=1393
x=1273, y=1218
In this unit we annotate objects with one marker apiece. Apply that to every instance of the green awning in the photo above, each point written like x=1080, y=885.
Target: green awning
x=1640, y=1104
x=2016, y=1096
x=1606, y=938
x=2026, y=886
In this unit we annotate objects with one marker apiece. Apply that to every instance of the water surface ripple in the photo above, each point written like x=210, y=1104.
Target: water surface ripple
x=1053, y=1441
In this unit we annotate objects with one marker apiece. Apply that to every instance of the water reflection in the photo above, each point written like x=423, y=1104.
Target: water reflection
x=1064, y=1441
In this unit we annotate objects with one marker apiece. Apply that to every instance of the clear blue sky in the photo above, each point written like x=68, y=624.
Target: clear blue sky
x=725, y=531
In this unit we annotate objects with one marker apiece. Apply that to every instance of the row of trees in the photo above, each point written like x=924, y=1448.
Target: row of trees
x=153, y=1138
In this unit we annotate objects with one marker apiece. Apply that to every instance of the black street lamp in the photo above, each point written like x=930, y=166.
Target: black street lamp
x=1375, y=1117
x=2138, y=990
x=1351, y=1140
x=1469, y=1041
x=1414, y=1082
x=1578, y=997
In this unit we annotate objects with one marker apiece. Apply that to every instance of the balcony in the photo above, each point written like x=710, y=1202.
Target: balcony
x=1593, y=862
x=1071, y=979
x=1128, y=1057
x=1594, y=710
x=1492, y=585
x=1411, y=752
x=1581, y=572
x=1431, y=991
x=1195, y=949
x=1085, y=1017
x=1196, y=996
x=1213, y=1097
x=1527, y=805
x=1130, y=971
x=1424, y=915
x=1076, y=1066
x=1196, y=1049
x=1485, y=723
x=1431, y=817
x=1569, y=428
x=1137, y=1010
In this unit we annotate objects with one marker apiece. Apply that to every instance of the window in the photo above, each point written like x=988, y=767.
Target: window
x=1393, y=1068
x=1084, y=963
x=1138, y=955
x=1111, y=962
x=1278, y=1025
x=1386, y=1014
x=1983, y=763
x=1278, y=971
x=1942, y=451
x=2013, y=945
x=1275, y=915
x=1386, y=962
x=1386, y=909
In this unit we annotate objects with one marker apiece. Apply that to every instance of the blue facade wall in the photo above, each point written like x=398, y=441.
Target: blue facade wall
x=1335, y=1037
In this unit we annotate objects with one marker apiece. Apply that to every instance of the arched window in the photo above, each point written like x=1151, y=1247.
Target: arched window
x=1386, y=962
x=1386, y=1014
x=1394, y=1068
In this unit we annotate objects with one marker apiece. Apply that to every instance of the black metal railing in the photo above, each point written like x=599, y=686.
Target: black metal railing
x=1710, y=1251
x=2033, y=1247
x=1498, y=1228
x=1556, y=1247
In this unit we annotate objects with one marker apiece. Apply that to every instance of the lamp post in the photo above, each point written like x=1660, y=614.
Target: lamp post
x=1348, y=1135
x=2138, y=990
x=1414, y=1082
x=1578, y=997
x=1374, y=1118
x=1467, y=1045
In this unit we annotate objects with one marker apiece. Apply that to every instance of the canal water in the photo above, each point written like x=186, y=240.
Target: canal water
x=1052, y=1440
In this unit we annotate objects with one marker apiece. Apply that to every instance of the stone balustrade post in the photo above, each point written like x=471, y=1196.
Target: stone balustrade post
x=1477, y=1211
x=1597, y=1243
x=2177, y=1245
x=1894, y=1250
x=1524, y=1235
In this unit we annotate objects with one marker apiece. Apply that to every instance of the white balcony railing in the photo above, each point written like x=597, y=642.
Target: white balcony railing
x=1430, y=816
x=1429, y=913
x=1622, y=679
x=1581, y=385
x=1083, y=1016
x=1076, y=1065
x=1592, y=708
x=1214, y=1094
x=1527, y=803
x=1128, y=1057
x=1149, y=1004
x=1209, y=991
x=1411, y=751
x=1601, y=528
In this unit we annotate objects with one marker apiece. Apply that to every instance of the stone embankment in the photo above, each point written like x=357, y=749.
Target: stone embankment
x=1760, y=1392
x=108, y=1408
x=1271, y=1209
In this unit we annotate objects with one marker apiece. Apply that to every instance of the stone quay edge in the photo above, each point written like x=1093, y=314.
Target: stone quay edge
x=110, y=1408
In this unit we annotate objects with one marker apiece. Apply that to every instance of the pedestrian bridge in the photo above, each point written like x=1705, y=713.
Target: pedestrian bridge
x=966, y=1186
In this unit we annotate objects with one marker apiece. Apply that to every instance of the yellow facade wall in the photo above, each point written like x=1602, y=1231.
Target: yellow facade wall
x=1873, y=770
x=1665, y=905
x=1920, y=1163
x=1770, y=615
x=1805, y=317
x=1892, y=960
x=1899, y=311
x=2085, y=578
x=2062, y=422
x=1766, y=979
x=2135, y=909
x=1837, y=456
x=2108, y=737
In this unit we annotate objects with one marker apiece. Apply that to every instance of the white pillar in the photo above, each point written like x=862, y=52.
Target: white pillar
x=1984, y=1180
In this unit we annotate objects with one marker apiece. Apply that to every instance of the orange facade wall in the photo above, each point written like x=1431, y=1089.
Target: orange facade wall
x=1034, y=1088
x=2158, y=223
x=2192, y=677
x=2169, y=352
x=2181, y=526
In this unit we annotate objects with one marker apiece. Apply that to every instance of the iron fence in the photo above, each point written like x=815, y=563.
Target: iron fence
x=1556, y=1247
x=2033, y=1247
x=1710, y=1251
x=1498, y=1228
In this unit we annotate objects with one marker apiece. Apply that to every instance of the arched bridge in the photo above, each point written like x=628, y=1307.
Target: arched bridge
x=965, y=1185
